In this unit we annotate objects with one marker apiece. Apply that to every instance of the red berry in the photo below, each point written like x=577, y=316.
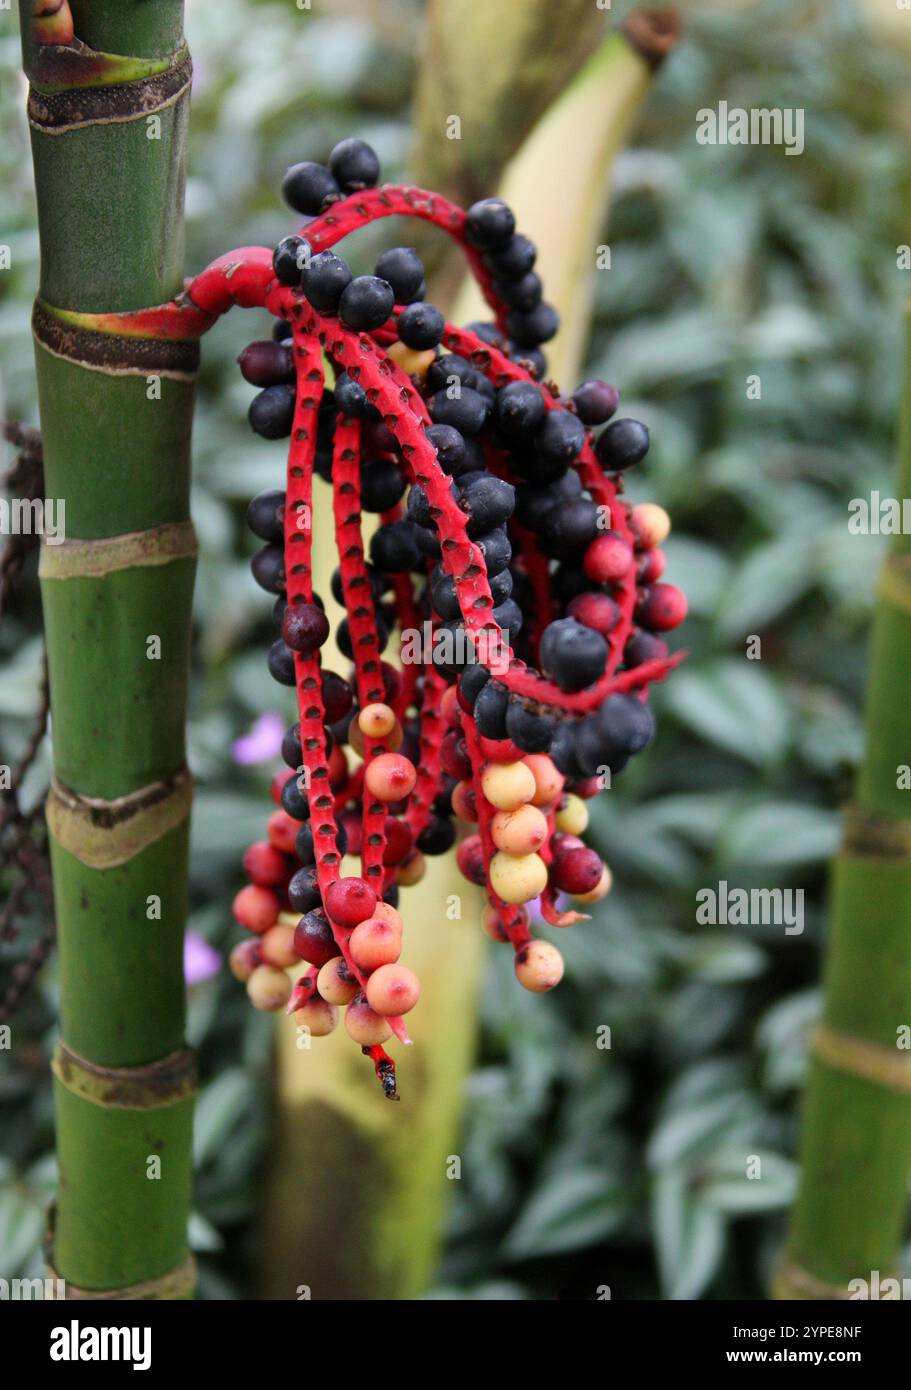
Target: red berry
x=350, y=901
x=651, y=566
x=256, y=908
x=282, y=830
x=399, y=840
x=264, y=865
x=454, y=756
x=663, y=608
x=500, y=750
x=470, y=859
x=579, y=871
x=607, y=558
x=597, y=611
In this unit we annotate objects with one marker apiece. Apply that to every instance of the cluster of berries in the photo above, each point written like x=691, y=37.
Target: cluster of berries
x=504, y=545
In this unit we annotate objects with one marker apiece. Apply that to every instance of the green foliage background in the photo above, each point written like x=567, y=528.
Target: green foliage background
x=581, y=1167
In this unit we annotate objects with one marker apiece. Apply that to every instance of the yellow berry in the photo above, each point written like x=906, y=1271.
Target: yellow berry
x=517, y=878
x=364, y=1025
x=376, y=721
x=572, y=815
x=278, y=946
x=548, y=781
x=392, y=740
x=539, y=966
x=600, y=890
x=652, y=522
x=393, y=989
x=413, y=361
x=519, y=832
x=335, y=982
x=507, y=785
x=318, y=1015
x=268, y=988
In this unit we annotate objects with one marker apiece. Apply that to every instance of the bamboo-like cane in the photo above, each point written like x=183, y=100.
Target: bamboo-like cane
x=856, y=1150
x=108, y=110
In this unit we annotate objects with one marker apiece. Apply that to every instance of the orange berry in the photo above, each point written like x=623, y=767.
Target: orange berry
x=376, y=721
x=278, y=947
x=385, y=912
x=549, y=782
x=652, y=523
x=375, y=943
x=522, y=831
x=255, y=908
x=539, y=966
x=393, y=989
x=390, y=777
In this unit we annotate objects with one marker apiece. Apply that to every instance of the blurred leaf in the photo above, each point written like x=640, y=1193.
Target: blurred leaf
x=779, y=834
x=689, y=1237
x=569, y=1210
x=734, y=705
x=220, y=1107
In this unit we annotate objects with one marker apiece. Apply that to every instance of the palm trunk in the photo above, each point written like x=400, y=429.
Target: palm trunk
x=108, y=114
x=856, y=1153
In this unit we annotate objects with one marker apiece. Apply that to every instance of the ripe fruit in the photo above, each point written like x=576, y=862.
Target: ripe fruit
x=366, y=303
x=548, y=781
x=256, y=908
x=305, y=627
x=517, y=878
x=307, y=186
x=364, y=1025
x=350, y=901
x=264, y=865
x=663, y=608
x=268, y=988
x=490, y=223
x=374, y=943
x=266, y=364
x=622, y=444
x=595, y=402
x=376, y=721
x=393, y=989
x=290, y=258
x=403, y=271
x=522, y=831
x=313, y=938
x=272, y=412
x=324, y=281
x=353, y=164
x=600, y=890
x=390, y=777
x=282, y=831
x=421, y=326
x=575, y=656
x=607, y=558
x=579, y=871
x=508, y=785
x=336, y=983
x=539, y=966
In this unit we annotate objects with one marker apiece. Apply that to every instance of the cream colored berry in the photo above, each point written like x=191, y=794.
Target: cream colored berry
x=364, y=1025
x=522, y=831
x=600, y=890
x=268, y=988
x=539, y=966
x=517, y=878
x=335, y=982
x=318, y=1015
x=507, y=785
x=278, y=946
x=652, y=522
x=572, y=816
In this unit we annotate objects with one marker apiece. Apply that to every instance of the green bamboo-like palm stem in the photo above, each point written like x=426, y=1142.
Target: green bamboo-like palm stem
x=108, y=112
x=856, y=1150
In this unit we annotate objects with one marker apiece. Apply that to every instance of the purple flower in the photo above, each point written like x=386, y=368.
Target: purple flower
x=200, y=960
x=263, y=741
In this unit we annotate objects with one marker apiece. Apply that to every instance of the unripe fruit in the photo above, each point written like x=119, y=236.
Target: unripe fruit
x=244, y=959
x=412, y=871
x=517, y=878
x=600, y=890
x=464, y=802
x=349, y=901
x=278, y=947
x=572, y=815
x=364, y=1025
x=607, y=558
x=490, y=921
x=335, y=982
x=392, y=990
x=264, y=865
x=318, y=1016
x=539, y=966
x=651, y=523
x=375, y=943
x=413, y=361
x=385, y=912
x=282, y=831
x=390, y=777
x=255, y=908
x=376, y=721
x=522, y=831
x=548, y=781
x=508, y=785
x=268, y=988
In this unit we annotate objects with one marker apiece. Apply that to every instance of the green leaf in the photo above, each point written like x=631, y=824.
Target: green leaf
x=772, y=578
x=21, y=1229
x=220, y=1107
x=729, y=1188
x=734, y=705
x=689, y=1237
x=779, y=834
x=568, y=1211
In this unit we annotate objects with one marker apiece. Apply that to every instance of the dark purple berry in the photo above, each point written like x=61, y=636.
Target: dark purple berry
x=538, y=326
x=268, y=567
x=622, y=444
x=513, y=260
x=489, y=501
x=401, y=268
x=560, y=438
x=595, y=402
x=382, y=484
x=267, y=363
x=520, y=408
x=529, y=728
x=449, y=445
x=306, y=187
x=490, y=224
x=289, y=260
x=324, y=281
x=305, y=628
x=572, y=655
x=281, y=663
x=366, y=303
x=271, y=413
x=266, y=515
x=466, y=412
x=354, y=164
x=523, y=294
x=421, y=326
